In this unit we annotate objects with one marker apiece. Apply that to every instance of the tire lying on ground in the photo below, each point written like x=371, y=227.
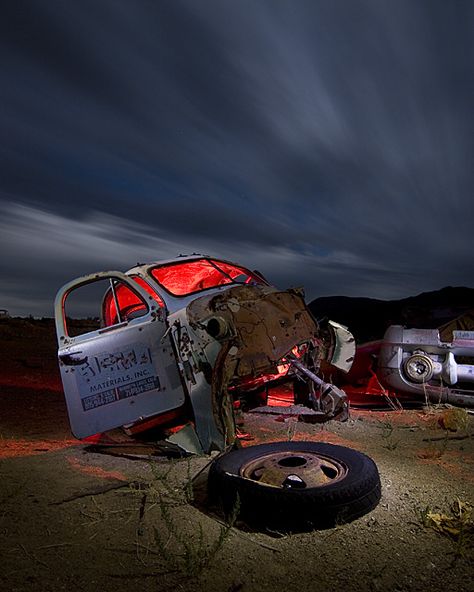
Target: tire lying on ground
x=294, y=486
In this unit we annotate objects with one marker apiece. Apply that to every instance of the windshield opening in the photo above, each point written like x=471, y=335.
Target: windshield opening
x=189, y=277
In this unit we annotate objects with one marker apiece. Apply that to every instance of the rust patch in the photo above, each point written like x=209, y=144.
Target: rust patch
x=264, y=324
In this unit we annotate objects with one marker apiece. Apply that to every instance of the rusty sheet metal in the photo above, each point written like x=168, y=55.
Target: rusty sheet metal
x=262, y=324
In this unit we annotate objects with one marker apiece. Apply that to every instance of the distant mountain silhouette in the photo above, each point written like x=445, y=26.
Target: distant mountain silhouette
x=367, y=318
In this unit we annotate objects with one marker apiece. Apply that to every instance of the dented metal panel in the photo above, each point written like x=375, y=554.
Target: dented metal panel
x=342, y=352
x=262, y=323
x=116, y=375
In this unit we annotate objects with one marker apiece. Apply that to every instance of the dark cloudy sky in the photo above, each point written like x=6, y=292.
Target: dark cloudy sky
x=328, y=143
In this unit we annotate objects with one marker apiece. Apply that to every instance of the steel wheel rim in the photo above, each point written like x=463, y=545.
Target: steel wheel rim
x=298, y=469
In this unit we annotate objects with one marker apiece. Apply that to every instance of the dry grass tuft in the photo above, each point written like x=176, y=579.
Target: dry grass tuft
x=457, y=524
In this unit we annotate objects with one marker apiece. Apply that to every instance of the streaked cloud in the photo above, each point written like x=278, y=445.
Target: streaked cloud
x=327, y=144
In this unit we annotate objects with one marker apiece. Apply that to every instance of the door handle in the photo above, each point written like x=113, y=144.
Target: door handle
x=70, y=360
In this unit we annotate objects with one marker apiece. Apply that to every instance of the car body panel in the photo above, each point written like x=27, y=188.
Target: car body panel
x=116, y=374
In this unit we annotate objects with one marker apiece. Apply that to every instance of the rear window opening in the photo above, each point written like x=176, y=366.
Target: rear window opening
x=189, y=277
x=141, y=282
x=130, y=305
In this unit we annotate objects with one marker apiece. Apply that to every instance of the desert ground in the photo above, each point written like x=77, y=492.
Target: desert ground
x=77, y=516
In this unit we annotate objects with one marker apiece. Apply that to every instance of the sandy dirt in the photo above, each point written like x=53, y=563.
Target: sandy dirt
x=72, y=518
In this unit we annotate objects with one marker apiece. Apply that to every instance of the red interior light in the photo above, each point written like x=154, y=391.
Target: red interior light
x=181, y=279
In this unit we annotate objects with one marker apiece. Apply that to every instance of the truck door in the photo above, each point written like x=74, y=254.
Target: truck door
x=117, y=364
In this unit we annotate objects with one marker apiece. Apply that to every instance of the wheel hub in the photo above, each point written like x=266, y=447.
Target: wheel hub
x=295, y=470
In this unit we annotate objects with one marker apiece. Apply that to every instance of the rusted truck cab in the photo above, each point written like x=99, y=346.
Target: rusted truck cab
x=179, y=339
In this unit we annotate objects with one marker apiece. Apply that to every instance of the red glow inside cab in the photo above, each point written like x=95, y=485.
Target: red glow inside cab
x=131, y=304
x=182, y=279
x=178, y=279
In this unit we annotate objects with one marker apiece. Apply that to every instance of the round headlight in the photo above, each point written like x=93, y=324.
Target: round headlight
x=418, y=368
x=217, y=327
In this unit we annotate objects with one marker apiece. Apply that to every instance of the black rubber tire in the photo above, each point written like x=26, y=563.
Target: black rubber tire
x=357, y=492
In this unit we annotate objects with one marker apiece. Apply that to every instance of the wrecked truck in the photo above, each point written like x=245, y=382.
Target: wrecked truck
x=179, y=342
x=415, y=366
x=422, y=364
